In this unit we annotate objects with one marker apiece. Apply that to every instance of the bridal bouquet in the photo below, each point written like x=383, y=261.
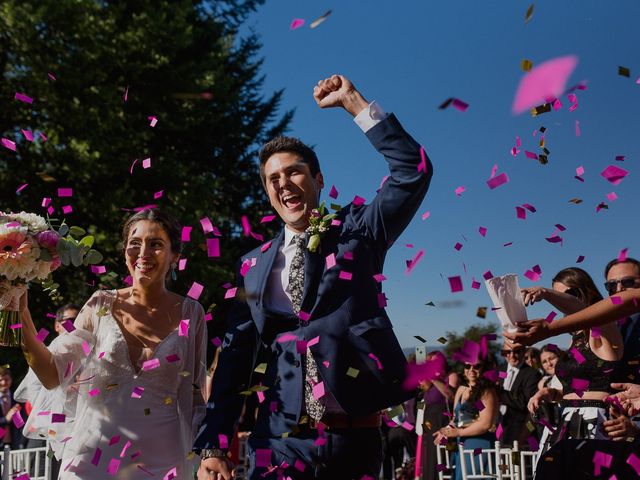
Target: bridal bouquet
x=30, y=250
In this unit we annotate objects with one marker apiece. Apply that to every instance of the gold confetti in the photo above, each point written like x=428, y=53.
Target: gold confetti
x=147, y=412
x=45, y=177
x=353, y=372
x=577, y=201
x=526, y=65
x=442, y=340
x=335, y=207
x=624, y=72
x=262, y=368
x=320, y=19
x=529, y=13
x=482, y=312
x=540, y=109
x=430, y=304
x=168, y=401
x=420, y=338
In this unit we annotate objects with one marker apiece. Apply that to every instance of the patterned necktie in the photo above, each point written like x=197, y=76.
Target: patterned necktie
x=314, y=408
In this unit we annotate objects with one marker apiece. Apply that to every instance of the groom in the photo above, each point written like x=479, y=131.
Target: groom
x=315, y=316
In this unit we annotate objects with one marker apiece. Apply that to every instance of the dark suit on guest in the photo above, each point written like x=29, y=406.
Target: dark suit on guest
x=17, y=439
x=358, y=356
x=630, y=331
x=514, y=421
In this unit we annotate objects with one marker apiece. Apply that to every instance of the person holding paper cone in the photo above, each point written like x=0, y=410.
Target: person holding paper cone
x=312, y=304
x=594, y=358
x=123, y=390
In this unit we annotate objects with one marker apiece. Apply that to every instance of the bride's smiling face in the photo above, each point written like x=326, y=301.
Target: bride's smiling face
x=148, y=253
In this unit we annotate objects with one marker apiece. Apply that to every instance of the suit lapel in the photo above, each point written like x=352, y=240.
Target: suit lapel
x=266, y=264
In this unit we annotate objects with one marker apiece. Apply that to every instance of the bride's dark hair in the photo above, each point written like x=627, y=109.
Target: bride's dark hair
x=168, y=222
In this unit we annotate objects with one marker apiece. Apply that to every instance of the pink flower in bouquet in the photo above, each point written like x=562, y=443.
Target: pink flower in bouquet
x=17, y=254
x=49, y=239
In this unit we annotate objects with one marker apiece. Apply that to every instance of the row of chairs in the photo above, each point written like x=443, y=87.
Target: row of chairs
x=499, y=462
x=33, y=461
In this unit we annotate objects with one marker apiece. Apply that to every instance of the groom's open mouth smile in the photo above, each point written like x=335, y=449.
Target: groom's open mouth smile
x=292, y=201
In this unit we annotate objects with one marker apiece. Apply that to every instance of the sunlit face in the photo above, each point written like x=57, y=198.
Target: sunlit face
x=514, y=357
x=472, y=372
x=148, y=253
x=548, y=361
x=293, y=192
x=623, y=271
x=5, y=383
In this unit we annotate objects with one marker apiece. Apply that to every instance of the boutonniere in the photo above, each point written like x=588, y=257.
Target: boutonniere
x=319, y=223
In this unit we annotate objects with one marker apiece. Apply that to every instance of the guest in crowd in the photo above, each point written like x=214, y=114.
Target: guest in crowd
x=437, y=394
x=475, y=415
x=585, y=374
x=66, y=313
x=519, y=384
x=532, y=358
x=549, y=356
x=12, y=435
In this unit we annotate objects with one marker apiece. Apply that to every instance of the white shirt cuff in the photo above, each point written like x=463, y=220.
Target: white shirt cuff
x=370, y=116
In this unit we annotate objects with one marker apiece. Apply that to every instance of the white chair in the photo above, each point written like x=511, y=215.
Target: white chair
x=30, y=460
x=243, y=458
x=443, y=457
x=528, y=463
x=508, y=461
x=481, y=466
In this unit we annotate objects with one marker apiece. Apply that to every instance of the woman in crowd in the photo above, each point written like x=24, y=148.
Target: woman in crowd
x=532, y=358
x=475, y=415
x=437, y=395
x=586, y=373
x=549, y=356
x=128, y=380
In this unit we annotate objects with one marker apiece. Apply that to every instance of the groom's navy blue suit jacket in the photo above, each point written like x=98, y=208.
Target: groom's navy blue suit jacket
x=358, y=355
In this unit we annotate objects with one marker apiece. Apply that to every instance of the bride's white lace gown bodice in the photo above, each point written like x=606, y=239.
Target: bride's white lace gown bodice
x=121, y=421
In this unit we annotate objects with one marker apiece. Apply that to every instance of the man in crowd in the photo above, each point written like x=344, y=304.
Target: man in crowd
x=9, y=433
x=518, y=386
x=66, y=313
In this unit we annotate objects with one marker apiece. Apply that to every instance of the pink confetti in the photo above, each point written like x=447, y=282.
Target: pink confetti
x=267, y=218
x=207, y=226
x=318, y=390
x=422, y=166
x=580, y=259
x=195, y=291
x=375, y=359
x=345, y=275
x=330, y=261
x=152, y=121
x=182, y=264
x=98, y=269
x=357, y=200
x=378, y=277
x=333, y=193
x=348, y=255
x=459, y=190
x=125, y=97
x=151, y=364
x=459, y=105
x=52, y=77
x=230, y=293
x=67, y=209
x=475, y=284
x=611, y=196
x=96, y=457
x=414, y=261
x=171, y=474
x=184, y=328
x=577, y=128
x=614, y=174
x=137, y=392
x=146, y=163
x=426, y=215
x=65, y=192
x=213, y=247
x=382, y=300
x=531, y=275
x=616, y=300
x=458, y=246
x=266, y=246
x=622, y=256
x=634, y=461
x=577, y=355
x=620, y=158
x=114, y=464
x=23, y=98
x=27, y=134
x=9, y=144
x=497, y=181
x=18, y=422
x=15, y=326
x=547, y=80
x=42, y=334
x=296, y=23
x=174, y=357
x=455, y=283
x=263, y=457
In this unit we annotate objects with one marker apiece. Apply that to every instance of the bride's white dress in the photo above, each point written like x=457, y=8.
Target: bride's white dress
x=109, y=419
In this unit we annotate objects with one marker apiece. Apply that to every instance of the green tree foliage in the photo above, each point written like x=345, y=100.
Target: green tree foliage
x=97, y=71
x=473, y=333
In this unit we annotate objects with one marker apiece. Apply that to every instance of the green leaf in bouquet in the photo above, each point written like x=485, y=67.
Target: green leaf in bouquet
x=329, y=217
x=77, y=231
x=93, y=257
x=87, y=241
x=314, y=243
x=76, y=255
x=63, y=230
x=64, y=251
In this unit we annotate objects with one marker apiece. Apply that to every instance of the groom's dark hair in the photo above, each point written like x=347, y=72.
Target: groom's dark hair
x=292, y=145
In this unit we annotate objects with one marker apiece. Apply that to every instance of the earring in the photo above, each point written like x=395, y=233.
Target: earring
x=174, y=276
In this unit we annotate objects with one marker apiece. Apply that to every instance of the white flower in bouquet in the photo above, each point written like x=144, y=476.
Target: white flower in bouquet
x=18, y=253
x=32, y=222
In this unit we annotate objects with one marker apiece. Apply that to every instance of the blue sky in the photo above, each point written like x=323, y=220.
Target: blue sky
x=413, y=55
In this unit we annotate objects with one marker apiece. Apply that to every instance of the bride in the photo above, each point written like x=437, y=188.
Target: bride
x=122, y=392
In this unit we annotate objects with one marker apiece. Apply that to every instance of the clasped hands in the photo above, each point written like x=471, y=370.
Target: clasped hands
x=444, y=433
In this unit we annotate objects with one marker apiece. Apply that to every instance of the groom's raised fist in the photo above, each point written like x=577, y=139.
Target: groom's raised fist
x=338, y=91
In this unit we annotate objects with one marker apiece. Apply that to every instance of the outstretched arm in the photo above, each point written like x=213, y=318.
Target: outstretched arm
x=598, y=314
x=338, y=91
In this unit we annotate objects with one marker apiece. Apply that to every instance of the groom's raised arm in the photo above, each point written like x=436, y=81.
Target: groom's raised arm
x=410, y=169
